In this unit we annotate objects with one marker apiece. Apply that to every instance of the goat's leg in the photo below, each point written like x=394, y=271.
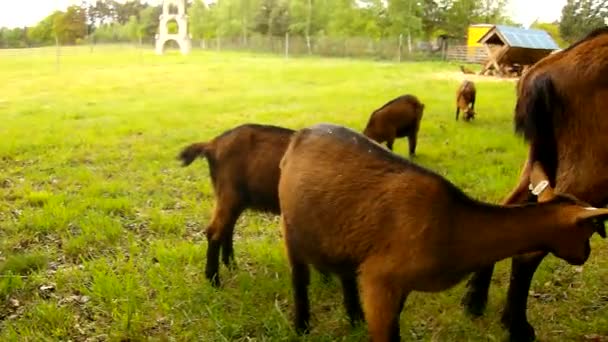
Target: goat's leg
x=225, y=215
x=412, y=139
x=228, y=240
x=382, y=304
x=476, y=297
x=352, y=302
x=457, y=112
x=300, y=278
x=514, y=316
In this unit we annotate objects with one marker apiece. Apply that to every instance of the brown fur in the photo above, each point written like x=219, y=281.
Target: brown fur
x=351, y=207
x=398, y=118
x=244, y=169
x=465, y=100
x=561, y=112
x=466, y=71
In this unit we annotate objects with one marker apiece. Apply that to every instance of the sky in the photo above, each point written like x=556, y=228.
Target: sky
x=29, y=12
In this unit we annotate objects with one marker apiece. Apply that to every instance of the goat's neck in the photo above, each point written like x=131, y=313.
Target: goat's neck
x=486, y=234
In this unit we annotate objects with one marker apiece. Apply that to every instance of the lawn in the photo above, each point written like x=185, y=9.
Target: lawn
x=101, y=229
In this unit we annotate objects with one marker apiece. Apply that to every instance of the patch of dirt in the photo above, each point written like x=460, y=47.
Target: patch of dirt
x=459, y=76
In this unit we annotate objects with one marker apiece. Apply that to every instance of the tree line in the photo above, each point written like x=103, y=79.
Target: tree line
x=113, y=21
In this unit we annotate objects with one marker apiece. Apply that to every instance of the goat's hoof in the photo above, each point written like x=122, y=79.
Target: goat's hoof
x=214, y=279
x=302, y=329
x=519, y=330
x=522, y=334
x=230, y=264
x=474, y=303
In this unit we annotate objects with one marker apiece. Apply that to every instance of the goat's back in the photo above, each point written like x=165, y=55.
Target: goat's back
x=466, y=91
x=246, y=160
x=402, y=114
x=344, y=197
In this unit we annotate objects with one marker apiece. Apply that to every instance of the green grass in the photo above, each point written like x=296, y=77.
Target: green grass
x=94, y=203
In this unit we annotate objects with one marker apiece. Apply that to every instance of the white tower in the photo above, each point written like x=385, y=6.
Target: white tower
x=181, y=37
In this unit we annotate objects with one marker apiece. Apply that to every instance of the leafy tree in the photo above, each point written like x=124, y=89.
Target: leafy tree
x=100, y=13
x=553, y=30
x=579, y=17
x=272, y=18
x=71, y=25
x=13, y=38
x=42, y=33
x=149, y=20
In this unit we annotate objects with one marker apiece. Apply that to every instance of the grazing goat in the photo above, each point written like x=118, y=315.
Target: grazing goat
x=244, y=169
x=465, y=100
x=353, y=208
x=561, y=112
x=398, y=118
x=466, y=70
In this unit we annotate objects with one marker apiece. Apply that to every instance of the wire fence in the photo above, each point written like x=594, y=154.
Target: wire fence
x=396, y=49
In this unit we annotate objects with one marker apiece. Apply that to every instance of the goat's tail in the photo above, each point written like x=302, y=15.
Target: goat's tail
x=188, y=154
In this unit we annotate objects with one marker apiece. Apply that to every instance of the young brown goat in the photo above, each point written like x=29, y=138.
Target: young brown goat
x=465, y=100
x=244, y=169
x=398, y=118
x=353, y=208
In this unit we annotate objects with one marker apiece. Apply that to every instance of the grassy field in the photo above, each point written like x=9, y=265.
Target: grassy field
x=101, y=229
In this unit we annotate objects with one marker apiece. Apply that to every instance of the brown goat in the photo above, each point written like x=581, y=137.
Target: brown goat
x=560, y=111
x=466, y=71
x=465, y=100
x=398, y=118
x=351, y=207
x=244, y=169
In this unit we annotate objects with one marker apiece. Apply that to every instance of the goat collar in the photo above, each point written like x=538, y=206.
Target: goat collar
x=539, y=188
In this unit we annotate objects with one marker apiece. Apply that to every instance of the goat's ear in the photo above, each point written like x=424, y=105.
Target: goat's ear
x=598, y=215
x=539, y=182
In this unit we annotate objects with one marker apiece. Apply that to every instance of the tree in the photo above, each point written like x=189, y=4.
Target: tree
x=42, y=33
x=13, y=38
x=433, y=17
x=579, y=17
x=405, y=17
x=553, y=30
x=71, y=25
x=149, y=20
x=272, y=18
x=100, y=13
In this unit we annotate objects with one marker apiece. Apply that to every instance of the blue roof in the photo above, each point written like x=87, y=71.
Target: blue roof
x=526, y=38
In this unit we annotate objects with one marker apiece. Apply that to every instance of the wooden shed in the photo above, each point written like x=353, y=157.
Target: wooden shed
x=511, y=50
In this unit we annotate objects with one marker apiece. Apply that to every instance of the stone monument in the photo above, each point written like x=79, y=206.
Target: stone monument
x=181, y=37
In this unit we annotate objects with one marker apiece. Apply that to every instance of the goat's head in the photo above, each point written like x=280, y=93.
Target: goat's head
x=578, y=219
x=470, y=113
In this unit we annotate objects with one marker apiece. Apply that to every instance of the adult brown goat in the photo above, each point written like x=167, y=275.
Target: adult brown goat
x=351, y=207
x=465, y=100
x=244, y=169
x=398, y=118
x=561, y=112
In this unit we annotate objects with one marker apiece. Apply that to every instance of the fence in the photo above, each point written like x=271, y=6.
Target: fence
x=469, y=54
x=395, y=49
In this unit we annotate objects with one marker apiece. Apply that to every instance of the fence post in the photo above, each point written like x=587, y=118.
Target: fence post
x=57, y=52
x=409, y=42
x=400, y=45
x=286, y=45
